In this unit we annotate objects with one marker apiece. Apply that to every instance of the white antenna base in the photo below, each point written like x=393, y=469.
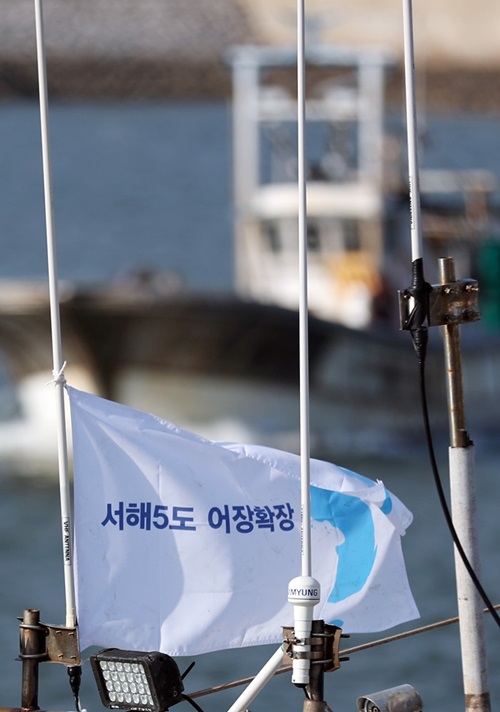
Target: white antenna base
x=303, y=594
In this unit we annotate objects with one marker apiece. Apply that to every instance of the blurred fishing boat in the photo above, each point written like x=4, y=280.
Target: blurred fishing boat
x=229, y=364
x=357, y=194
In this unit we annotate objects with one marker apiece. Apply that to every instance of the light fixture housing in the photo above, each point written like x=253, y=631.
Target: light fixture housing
x=132, y=680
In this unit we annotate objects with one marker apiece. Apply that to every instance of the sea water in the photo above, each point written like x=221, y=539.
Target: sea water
x=138, y=186
x=135, y=187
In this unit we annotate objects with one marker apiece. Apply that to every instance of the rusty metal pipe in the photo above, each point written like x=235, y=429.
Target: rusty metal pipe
x=453, y=362
x=32, y=652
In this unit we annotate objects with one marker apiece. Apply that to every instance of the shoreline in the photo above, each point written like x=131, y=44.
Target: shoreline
x=451, y=88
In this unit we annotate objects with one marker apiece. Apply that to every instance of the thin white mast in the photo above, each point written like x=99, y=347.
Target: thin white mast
x=58, y=364
x=412, y=132
x=303, y=295
x=303, y=591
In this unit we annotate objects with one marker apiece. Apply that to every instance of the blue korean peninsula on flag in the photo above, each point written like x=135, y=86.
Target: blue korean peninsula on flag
x=187, y=546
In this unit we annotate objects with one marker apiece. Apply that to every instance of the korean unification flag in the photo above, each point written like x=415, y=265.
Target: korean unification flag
x=187, y=546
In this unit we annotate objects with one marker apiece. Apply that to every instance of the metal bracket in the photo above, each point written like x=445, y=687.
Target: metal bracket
x=62, y=645
x=452, y=303
x=325, y=646
x=40, y=643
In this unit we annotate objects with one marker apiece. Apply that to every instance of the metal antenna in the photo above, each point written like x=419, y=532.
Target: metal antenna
x=58, y=364
x=303, y=591
x=461, y=451
x=412, y=132
x=303, y=298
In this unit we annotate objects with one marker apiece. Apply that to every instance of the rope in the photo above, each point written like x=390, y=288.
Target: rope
x=349, y=651
x=409, y=633
x=59, y=377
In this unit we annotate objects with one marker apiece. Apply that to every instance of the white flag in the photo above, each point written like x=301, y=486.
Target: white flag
x=187, y=546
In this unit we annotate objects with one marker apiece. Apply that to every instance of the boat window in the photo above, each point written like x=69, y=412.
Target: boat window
x=339, y=235
x=271, y=236
x=352, y=240
x=313, y=236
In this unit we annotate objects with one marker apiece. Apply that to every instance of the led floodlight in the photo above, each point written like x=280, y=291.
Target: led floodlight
x=131, y=680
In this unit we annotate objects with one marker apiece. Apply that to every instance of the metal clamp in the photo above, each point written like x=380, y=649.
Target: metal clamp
x=452, y=303
x=324, y=642
x=61, y=643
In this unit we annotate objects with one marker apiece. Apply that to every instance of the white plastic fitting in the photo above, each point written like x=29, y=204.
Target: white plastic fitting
x=303, y=594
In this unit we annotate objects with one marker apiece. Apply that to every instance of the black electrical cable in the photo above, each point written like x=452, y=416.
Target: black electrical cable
x=187, y=698
x=417, y=323
x=75, y=679
x=442, y=498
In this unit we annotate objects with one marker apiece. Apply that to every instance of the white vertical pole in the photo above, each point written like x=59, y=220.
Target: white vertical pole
x=58, y=365
x=303, y=291
x=412, y=132
x=245, y=161
x=464, y=518
x=303, y=591
x=470, y=609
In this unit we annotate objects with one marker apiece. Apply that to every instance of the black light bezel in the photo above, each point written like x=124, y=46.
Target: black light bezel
x=162, y=674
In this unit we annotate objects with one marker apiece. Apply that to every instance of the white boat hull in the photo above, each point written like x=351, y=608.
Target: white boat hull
x=224, y=368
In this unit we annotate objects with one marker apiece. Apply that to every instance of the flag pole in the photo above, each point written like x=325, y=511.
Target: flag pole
x=58, y=364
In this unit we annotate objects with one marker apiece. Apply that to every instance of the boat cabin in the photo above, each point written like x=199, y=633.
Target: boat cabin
x=349, y=207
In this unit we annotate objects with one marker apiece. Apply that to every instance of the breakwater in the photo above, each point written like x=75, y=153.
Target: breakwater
x=157, y=49
x=92, y=78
